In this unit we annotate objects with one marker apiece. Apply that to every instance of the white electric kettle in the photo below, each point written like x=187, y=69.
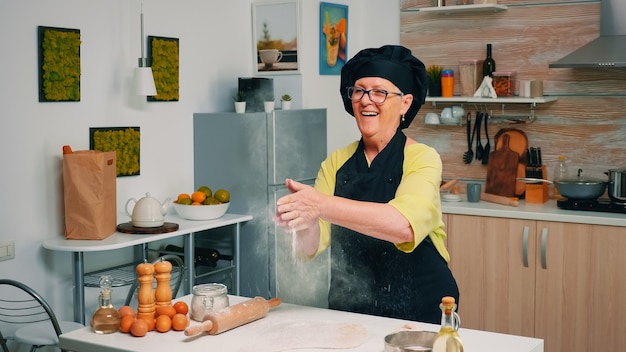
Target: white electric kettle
x=147, y=211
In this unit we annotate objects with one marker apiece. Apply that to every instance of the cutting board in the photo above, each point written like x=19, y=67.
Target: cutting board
x=518, y=142
x=502, y=170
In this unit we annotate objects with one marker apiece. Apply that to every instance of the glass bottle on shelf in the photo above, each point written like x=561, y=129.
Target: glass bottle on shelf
x=448, y=339
x=106, y=319
x=489, y=64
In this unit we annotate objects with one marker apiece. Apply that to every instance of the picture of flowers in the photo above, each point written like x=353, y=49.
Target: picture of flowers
x=164, y=63
x=124, y=140
x=333, y=38
x=59, y=64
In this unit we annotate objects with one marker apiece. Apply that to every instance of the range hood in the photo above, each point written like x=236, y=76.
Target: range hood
x=608, y=50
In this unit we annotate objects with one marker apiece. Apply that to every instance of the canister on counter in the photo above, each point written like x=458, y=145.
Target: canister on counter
x=470, y=76
x=504, y=83
x=447, y=83
x=208, y=298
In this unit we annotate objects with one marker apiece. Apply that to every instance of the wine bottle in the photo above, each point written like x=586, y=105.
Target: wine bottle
x=489, y=64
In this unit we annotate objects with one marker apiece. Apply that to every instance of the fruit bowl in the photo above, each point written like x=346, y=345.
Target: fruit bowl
x=201, y=212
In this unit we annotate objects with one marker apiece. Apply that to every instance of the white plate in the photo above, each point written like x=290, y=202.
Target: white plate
x=451, y=197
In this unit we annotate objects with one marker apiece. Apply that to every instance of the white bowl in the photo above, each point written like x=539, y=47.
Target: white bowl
x=450, y=120
x=201, y=212
x=431, y=119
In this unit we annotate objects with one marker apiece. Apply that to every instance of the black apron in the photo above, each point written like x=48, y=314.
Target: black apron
x=372, y=276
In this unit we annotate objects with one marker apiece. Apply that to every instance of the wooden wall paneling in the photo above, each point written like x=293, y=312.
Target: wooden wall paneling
x=588, y=121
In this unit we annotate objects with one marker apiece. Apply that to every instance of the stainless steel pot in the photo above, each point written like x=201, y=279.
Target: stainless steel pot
x=617, y=185
x=410, y=340
x=581, y=187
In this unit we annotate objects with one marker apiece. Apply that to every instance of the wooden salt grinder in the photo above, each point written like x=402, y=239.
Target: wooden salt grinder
x=163, y=292
x=145, y=295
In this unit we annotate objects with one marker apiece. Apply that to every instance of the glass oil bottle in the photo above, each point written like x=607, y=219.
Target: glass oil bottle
x=448, y=339
x=106, y=319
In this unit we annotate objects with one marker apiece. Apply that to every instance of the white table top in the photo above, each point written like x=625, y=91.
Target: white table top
x=122, y=240
x=250, y=337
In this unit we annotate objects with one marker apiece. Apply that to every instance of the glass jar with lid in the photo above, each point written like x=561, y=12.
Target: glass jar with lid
x=208, y=298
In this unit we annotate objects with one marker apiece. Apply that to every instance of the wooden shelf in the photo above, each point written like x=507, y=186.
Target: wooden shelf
x=446, y=10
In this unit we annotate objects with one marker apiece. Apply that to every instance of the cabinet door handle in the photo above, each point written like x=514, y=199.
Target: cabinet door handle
x=544, y=239
x=525, y=247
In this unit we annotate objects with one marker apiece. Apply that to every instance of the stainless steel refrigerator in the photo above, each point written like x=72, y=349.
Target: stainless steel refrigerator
x=251, y=155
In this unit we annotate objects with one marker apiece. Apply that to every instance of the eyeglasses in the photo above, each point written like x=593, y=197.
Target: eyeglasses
x=377, y=96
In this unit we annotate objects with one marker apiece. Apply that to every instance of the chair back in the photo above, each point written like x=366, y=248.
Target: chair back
x=176, y=279
x=21, y=305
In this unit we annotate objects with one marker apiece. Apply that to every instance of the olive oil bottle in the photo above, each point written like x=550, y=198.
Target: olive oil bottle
x=448, y=339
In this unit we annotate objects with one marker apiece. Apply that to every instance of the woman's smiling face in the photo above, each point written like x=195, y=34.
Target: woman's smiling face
x=379, y=119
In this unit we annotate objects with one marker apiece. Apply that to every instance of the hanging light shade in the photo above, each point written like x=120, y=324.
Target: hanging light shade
x=143, y=80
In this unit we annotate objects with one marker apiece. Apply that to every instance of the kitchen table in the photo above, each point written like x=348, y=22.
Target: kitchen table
x=279, y=326
x=118, y=240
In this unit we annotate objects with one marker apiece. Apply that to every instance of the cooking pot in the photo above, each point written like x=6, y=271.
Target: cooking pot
x=580, y=187
x=617, y=185
x=410, y=340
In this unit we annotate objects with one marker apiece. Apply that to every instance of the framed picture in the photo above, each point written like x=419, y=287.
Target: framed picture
x=276, y=33
x=59, y=64
x=164, y=62
x=124, y=140
x=333, y=36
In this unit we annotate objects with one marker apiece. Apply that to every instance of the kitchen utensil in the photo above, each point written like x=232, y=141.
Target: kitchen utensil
x=502, y=170
x=233, y=316
x=147, y=211
x=518, y=143
x=477, y=126
x=469, y=154
x=447, y=186
x=487, y=148
x=533, y=180
x=581, y=187
x=493, y=198
x=405, y=341
x=617, y=185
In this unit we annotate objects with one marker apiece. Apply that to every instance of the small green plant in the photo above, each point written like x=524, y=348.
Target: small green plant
x=434, y=72
x=240, y=96
x=286, y=97
x=269, y=97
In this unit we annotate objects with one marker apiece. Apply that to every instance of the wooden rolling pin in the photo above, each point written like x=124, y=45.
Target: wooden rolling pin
x=488, y=197
x=234, y=316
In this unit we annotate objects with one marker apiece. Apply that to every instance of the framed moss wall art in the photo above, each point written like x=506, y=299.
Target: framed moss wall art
x=124, y=140
x=164, y=62
x=59, y=64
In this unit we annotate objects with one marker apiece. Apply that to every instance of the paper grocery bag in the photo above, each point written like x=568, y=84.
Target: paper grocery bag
x=89, y=194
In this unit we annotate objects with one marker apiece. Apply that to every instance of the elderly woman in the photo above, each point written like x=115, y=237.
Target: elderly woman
x=376, y=202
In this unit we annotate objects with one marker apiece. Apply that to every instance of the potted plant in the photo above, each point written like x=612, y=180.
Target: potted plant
x=285, y=101
x=434, y=76
x=240, y=101
x=268, y=102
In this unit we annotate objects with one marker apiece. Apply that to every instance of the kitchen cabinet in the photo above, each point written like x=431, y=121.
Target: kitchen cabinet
x=562, y=282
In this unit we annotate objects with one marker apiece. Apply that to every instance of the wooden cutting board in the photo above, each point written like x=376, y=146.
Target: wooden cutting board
x=518, y=142
x=128, y=227
x=502, y=170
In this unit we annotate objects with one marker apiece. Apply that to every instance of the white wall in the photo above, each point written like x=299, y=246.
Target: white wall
x=215, y=49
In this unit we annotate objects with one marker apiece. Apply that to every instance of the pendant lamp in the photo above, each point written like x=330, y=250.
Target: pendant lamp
x=143, y=80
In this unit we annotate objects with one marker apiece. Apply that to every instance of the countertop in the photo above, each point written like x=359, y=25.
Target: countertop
x=547, y=211
x=282, y=326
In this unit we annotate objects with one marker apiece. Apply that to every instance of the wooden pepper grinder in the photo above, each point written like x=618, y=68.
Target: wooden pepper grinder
x=163, y=292
x=145, y=295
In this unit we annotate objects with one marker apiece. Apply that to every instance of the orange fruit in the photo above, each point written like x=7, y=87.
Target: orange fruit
x=181, y=307
x=183, y=196
x=198, y=196
x=179, y=322
x=139, y=328
x=196, y=203
x=126, y=311
x=165, y=310
x=149, y=321
x=163, y=323
x=126, y=323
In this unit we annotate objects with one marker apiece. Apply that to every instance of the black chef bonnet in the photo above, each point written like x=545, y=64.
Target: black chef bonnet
x=394, y=63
